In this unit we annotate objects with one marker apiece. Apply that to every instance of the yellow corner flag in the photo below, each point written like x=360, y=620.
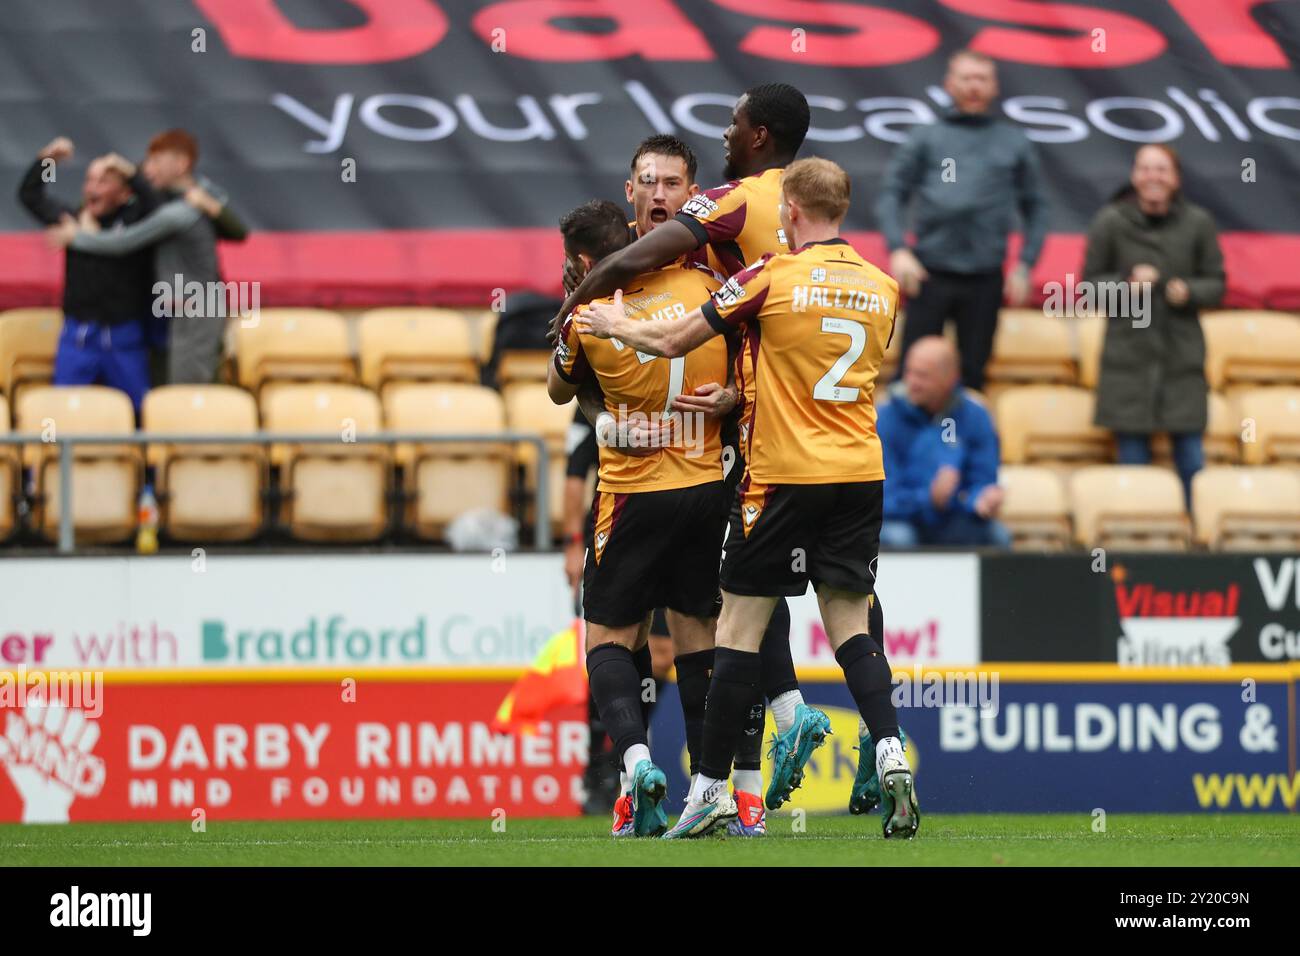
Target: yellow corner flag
x=556, y=678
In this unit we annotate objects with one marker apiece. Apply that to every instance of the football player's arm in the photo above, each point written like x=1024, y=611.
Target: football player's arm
x=568, y=368
x=561, y=392
x=670, y=339
x=664, y=244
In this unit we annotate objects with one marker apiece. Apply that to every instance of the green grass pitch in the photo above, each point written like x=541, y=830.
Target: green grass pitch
x=945, y=840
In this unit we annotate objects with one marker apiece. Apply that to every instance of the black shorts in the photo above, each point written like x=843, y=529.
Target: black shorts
x=780, y=537
x=650, y=549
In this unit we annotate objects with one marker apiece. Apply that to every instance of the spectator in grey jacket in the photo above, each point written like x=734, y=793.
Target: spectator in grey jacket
x=966, y=176
x=184, y=232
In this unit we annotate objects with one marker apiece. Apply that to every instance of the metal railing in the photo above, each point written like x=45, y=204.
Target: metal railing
x=67, y=536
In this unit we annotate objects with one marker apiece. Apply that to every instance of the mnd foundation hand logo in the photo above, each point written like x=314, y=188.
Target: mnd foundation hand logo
x=46, y=751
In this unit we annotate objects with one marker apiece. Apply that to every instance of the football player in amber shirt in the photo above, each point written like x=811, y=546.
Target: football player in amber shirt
x=656, y=527
x=819, y=319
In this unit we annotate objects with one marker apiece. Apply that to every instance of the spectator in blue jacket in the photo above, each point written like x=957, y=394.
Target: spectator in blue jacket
x=941, y=457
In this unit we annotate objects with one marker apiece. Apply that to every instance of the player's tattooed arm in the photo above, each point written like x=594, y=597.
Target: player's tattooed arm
x=607, y=321
x=664, y=244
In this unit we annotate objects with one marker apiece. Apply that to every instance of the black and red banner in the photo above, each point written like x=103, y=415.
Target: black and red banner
x=414, y=150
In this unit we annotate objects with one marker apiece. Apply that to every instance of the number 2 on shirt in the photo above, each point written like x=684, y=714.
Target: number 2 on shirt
x=828, y=388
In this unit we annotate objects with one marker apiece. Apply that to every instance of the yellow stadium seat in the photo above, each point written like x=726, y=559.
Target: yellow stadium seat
x=1251, y=348
x=1270, y=425
x=1035, y=509
x=105, y=478
x=522, y=365
x=1247, y=508
x=29, y=339
x=293, y=345
x=206, y=492
x=484, y=322
x=445, y=480
x=529, y=409
x=1089, y=338
x=1050, y=423
x=1030, y=346
x=415, y=345
x=336, y=491
x=1129, y=507
x=10, y=475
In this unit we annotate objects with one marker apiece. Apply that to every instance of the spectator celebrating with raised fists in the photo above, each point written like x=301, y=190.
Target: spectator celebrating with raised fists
x=1153, y=365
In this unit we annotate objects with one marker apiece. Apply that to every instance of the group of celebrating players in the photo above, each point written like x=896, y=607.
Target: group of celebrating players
x=739, y=316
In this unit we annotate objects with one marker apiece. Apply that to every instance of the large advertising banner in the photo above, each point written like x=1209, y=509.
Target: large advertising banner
x=424, y=150
x=1141, y=610
x=284, y=748
x=931, y=611
x=409, y=610
x=1068, y=739
x=277, y=611
x=1060, y=740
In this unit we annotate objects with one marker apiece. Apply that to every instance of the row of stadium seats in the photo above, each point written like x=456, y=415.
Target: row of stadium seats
x=1235, y=508
x=339, y=491
x=1054, y=424
x=1243, y=349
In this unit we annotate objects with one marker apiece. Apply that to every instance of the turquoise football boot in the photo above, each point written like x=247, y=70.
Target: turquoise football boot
x=649, y=787
x=866, y=785
x=792, y=750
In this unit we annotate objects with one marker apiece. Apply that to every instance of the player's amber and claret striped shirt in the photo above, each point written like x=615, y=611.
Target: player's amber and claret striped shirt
x=818, y=321
x=740, y=220
x=634, y=382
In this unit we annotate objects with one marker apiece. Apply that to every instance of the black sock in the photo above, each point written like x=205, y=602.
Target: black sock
x=778, y=666
x=871, y=683
x=649, y=686
x=617, y=689
x=693, y=673
x=749, y=751
x=731, y=693
x=596, y=754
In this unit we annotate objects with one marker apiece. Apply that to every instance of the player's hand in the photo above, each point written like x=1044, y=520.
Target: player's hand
x=712, y=399
x=1177, y=292
x=86, y=221
x=573, y=554
x=643, y=439
x=944, y=486
x=1144, y=273
x=1016, y=288
x=59, y=149
x=203, y=201
x=601, y=318
x=909, y=272
x=60, y=235
x=572, y=275
x=989, y=502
